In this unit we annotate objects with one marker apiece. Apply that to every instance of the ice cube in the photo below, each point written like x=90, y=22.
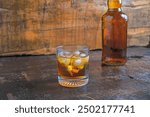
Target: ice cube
x=83, y=55
x=78, y=64
x=63, y=60
x=61, y=54
x=70, y=69
x=66, y=61
x=77, y=53
x=77, y=61
x=67, y=54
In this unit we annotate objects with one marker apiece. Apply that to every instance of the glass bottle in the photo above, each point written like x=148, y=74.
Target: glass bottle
x=114, y=34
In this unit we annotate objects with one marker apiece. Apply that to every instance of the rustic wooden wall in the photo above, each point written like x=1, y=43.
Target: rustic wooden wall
x=38, y=26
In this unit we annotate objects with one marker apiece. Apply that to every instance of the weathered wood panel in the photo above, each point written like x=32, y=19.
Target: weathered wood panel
x=38, y=26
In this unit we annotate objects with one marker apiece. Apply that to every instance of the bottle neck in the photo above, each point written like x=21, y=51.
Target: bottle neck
x=114, y=5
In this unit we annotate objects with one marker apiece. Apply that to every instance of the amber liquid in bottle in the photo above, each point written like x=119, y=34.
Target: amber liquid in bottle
x=114, y=34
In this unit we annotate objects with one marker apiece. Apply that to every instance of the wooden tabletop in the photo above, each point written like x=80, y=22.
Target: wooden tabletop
x=35, y=77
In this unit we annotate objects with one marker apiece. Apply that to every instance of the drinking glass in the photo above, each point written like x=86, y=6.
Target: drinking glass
x=73, y=65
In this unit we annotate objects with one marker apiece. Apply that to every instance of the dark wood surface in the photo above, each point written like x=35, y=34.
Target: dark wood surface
x=35, y=77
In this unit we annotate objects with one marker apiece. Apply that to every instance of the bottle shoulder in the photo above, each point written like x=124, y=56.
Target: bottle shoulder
x=111, y=15
x=123, y=15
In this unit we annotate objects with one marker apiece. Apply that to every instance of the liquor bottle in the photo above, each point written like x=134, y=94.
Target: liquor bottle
x=114, y=34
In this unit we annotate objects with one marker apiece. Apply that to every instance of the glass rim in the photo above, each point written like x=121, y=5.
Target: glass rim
x=73, y=45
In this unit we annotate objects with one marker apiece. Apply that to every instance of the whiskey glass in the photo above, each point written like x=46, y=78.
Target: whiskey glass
x=73, y=65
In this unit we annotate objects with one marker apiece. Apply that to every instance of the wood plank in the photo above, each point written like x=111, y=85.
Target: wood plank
x=35, y=78
x=38, y=26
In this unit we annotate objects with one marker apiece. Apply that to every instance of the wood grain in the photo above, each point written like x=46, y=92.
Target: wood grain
x=35, y=78
x=38, y=26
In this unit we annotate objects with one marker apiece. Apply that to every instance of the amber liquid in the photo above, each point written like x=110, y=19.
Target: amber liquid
x=77, y=73
x=114, y=37
x=72, y=67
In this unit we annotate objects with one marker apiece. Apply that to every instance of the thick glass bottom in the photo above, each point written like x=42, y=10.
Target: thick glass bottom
x=73, y=82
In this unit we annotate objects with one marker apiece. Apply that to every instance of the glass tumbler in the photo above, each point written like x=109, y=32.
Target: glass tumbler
x=73, y=65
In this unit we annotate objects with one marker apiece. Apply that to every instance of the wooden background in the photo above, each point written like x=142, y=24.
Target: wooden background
x=38, y=26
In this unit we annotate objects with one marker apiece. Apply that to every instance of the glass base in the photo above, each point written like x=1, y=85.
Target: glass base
x=114, y=62
x=72, y=82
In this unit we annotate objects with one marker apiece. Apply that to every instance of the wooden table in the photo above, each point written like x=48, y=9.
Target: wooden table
x=35, y=77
